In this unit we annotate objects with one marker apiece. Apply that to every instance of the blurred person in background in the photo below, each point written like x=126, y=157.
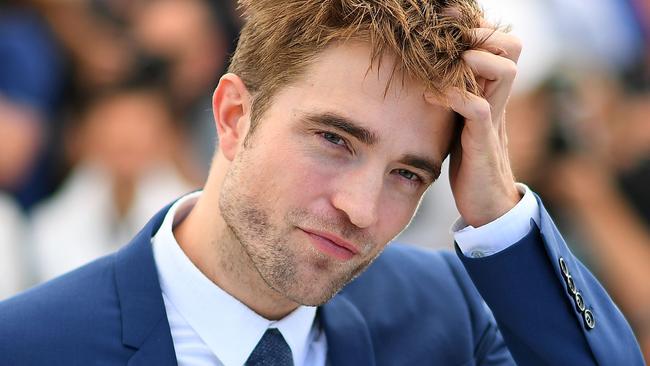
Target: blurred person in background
x=31, y=81
x=180, y=45
x=194, y=43
x=110, y=41
x=30, y=86
x=123, y=146
x=184, y=34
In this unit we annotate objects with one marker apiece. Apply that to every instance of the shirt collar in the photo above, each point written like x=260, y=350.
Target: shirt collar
x=228, y=327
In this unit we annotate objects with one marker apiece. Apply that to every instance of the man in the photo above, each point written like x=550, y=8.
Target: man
x=333, y=121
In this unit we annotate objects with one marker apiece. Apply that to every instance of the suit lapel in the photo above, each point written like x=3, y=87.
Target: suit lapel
x=348, y=337
x=157, y=348
x=144, y=321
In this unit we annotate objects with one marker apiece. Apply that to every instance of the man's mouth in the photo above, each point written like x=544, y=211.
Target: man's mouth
x=331, y=244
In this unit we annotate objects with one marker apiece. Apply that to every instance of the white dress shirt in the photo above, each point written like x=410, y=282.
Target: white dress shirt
x=501, y=233
x=210, y=327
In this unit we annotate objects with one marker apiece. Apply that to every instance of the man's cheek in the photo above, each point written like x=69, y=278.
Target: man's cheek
x=312, y=174
x=395, y=216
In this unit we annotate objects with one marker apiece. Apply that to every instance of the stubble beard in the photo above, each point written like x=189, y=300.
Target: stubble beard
x=277, y=258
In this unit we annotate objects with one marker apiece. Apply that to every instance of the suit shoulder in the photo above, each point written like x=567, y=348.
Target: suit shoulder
x=65, y=289
x=420, y=297
x=417, y=256
x=404, y=262
x=403, y=270
x=62, y=312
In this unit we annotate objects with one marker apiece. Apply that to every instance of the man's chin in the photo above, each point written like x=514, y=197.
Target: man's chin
x=314, y=299
x=317, y=293
x=317, y=280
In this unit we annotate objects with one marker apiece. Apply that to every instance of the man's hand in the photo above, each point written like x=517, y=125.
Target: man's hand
x=480, y=174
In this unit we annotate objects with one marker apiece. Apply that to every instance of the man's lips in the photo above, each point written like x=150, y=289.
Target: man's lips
x=332, y=244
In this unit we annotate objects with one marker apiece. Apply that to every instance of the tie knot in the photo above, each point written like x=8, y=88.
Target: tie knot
x=272, y=350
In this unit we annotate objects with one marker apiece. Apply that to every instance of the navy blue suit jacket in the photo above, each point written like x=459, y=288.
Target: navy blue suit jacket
x=411, y=307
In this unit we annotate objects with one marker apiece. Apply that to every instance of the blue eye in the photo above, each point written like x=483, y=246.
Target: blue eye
x=333, y=138
x=408, y=174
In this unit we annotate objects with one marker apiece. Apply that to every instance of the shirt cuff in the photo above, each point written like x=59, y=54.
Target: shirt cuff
x=501, y=233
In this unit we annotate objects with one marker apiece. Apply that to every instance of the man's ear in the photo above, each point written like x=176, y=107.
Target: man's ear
x=231, y=109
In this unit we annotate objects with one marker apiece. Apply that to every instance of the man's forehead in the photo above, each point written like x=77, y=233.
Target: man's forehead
x=351, y=64
x=339, y=87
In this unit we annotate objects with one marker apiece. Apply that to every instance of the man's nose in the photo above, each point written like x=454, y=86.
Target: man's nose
x=358, y=196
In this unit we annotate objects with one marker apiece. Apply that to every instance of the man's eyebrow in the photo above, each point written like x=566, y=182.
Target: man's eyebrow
x=344, y=124
x=430, y=166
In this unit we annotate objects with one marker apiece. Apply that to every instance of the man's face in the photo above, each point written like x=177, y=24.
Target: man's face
x=334, y=171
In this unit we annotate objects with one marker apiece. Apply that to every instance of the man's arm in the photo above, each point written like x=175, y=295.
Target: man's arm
x=618, y=240
x=549, y=308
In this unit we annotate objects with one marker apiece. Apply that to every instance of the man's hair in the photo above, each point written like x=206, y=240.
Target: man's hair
x=427, y=37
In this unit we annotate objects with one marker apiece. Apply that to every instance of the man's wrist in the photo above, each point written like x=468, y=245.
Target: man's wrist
x=499, y=207
x=501, y=232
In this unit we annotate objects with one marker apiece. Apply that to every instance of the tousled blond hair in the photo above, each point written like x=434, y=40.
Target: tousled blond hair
x=427, y=38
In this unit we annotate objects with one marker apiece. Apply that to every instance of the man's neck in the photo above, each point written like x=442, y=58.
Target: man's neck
x=215, y=251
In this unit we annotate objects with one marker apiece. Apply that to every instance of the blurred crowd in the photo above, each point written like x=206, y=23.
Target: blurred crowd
x=105, y=117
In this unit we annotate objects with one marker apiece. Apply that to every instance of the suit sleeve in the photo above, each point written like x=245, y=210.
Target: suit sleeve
x=549, y=308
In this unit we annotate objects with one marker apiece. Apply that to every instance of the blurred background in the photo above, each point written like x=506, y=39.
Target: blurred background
x=105, y=117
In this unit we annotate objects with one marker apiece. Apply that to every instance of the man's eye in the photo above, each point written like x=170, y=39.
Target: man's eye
x=333, y=138
x=408, y=174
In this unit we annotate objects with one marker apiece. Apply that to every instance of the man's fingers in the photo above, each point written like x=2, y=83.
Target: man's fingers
x=499, y=43
x=476, y=110
x=500, y=73
x=471, y=107
x=490, y=66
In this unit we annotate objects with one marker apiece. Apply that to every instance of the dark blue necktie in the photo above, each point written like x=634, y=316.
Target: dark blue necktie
x=272, y=350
